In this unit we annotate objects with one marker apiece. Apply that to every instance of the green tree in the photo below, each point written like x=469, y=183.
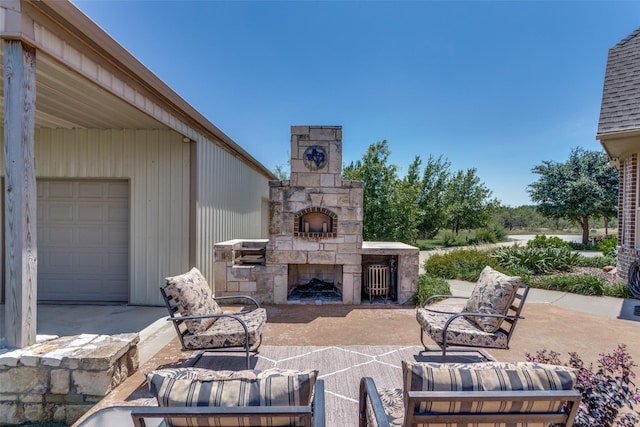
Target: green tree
x=431, y=201
x=380, y=184
x=280, y=171
x=521, y=217
x=407, y=212
x=466, y=201
x=577, y=190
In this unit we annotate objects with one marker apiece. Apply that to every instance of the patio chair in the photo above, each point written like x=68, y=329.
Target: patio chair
x=200, y=322
x=273, y=397
x=488, y=319
x=310, y=415
x=490, y=393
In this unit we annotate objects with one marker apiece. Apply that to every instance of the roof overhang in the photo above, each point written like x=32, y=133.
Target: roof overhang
x=66, y=98
x=619, y=145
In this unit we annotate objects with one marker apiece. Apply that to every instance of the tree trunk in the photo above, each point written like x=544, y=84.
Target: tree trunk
x=585, y=230
x=606, y=227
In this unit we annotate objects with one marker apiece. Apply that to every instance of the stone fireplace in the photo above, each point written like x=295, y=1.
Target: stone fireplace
x=315, y=251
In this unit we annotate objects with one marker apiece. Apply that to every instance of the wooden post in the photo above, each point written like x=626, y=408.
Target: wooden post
x=20, y=194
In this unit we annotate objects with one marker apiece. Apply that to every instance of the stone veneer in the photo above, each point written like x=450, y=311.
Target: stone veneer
x=408, y=265
x=315, y=227
x=60, y=379
x=316, y=188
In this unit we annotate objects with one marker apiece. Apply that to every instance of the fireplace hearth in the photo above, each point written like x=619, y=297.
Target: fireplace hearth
x=313, y=251
x=315, y=290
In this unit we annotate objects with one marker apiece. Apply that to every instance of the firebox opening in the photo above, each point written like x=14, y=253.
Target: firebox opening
x=313, y=282
x=379, y=278
x=316, y=222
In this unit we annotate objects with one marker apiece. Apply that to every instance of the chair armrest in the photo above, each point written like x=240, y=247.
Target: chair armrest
x=204, y=316
x=368, y=389
x=247, y=298
x=319, y=417
x=203, y=413
x=465, y=314
x=426, y=302
x=178, y=320
x=472, y=314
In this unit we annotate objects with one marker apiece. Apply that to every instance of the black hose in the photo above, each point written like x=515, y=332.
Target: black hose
x=634, y=279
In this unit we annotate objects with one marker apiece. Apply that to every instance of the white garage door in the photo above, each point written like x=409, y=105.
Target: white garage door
x=83, y=241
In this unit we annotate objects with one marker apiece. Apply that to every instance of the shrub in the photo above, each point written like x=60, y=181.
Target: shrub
x=483, y=236
x=618, y=290
x=542, y=241
x=606, y=390
x=463, y=264
x=595, y=261
x=450, y=239
x=608, y=246
x=577, y=246
x=575, y=284
x=429, y=286
x=538, y=260
x=524, y=273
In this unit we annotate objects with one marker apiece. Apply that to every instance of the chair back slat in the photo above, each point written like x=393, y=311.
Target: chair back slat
x=515, y=309
x=172, y=307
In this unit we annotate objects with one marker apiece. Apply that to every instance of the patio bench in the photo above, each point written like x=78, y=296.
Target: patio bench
x=490, y=393
x=272, y=397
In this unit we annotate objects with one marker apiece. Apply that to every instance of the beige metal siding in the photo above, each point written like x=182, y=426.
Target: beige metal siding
x=230, y=195
x=156, y=162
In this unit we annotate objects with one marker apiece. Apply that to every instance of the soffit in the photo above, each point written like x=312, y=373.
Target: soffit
x=65, y=99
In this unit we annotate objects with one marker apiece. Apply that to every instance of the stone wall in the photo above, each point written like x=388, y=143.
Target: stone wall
x=407, y=269
x=315, y=228
x=316, y=186
x=258, y=281
x=58, y=380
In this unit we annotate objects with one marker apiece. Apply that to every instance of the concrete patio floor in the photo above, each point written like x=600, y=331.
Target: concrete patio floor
x=553, y=321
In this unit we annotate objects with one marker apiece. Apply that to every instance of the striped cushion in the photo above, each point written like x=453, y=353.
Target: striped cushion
x=489, y=376
x=493, y=293
x=193, y=298
x=203, y=387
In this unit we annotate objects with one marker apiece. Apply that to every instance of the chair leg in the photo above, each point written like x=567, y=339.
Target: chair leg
x=422, y=339
x=443, y=346
x=246, y=349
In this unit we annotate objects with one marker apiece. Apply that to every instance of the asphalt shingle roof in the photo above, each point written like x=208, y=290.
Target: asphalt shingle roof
x=620, y=109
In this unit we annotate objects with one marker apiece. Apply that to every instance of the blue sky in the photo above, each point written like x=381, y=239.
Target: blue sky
x=499, y=86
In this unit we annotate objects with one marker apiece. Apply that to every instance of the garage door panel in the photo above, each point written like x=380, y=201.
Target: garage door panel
x=118, y=259
x=60, y=212
x=60, y=189
x=90, y=236
x=91, y=213
x=58, y=236
x=83, y=241
x=91, y=262
x=60, y=259
x=118, y=237
x=90, y=190
x=115, y=190
x=117, y=214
